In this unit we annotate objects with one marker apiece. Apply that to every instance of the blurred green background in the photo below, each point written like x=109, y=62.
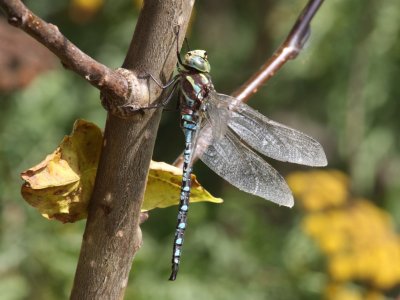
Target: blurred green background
x=343, y=90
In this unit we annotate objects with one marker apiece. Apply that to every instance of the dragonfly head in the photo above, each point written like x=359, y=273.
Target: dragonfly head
x=197, y=59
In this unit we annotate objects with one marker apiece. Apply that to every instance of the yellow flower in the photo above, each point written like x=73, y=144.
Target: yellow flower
x=387, y=272
x=374, y=295
x=335, y=291
x=357, y=237
x=341, y=267
x=318, y=190
x=315, y=225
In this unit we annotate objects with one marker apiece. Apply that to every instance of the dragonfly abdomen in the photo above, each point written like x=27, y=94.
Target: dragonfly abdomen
x=194, y=88
x=189, y=128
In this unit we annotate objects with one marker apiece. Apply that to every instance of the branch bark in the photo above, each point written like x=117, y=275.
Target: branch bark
x=112, y=234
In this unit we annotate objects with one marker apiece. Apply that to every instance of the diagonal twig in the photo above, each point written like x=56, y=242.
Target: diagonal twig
x=289, y=49
x=108, y=81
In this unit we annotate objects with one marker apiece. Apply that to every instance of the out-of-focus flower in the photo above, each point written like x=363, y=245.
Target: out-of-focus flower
x=359, y=241
x=318, y=190
x=342, y=292
x=357, y=237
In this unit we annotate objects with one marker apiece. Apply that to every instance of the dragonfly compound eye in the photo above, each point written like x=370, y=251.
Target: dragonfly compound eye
x=197, y=59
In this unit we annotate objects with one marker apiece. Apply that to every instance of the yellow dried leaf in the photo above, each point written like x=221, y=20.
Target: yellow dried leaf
x=50, y=172
x=60, y=186
x=167, y=179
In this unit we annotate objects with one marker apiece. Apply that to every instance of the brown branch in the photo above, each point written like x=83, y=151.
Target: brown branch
x=108, y=81
x=289, y=49
x=112, y=234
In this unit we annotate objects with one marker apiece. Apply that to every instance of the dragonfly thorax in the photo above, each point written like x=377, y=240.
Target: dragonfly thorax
x=197, y=59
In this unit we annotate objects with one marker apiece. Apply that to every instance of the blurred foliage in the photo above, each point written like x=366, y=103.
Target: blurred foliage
x=343, y=90
x=82, y=11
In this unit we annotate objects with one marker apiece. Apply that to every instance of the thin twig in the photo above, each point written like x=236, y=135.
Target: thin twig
x=289, y=49
x=108, y=81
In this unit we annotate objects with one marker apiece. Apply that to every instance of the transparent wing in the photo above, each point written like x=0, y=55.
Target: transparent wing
x=266, y=136
x=217, y=114
x=243, y=168
x=194, y=140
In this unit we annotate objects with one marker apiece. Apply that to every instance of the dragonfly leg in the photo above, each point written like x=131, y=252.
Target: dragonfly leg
x=167, y=99
x=171, y=94
x=172, y=82
x=159, y=83
x=131, y=108
x=177, y=30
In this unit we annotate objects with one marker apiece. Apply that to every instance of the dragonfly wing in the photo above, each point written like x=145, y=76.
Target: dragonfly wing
x=217, y=114
x=215, y=122
x=246, y=170
x=271, y=138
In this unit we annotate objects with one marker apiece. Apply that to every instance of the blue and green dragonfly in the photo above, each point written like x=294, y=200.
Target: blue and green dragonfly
x=234, y=133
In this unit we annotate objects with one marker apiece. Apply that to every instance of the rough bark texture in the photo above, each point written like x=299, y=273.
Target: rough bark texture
x=112, y=235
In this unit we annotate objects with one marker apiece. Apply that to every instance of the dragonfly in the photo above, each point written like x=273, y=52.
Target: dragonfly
x=236, y=136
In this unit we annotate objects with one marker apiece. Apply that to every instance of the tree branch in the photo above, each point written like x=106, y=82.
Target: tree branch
x=112, y=234
x=289, y=49
x=105, y=79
